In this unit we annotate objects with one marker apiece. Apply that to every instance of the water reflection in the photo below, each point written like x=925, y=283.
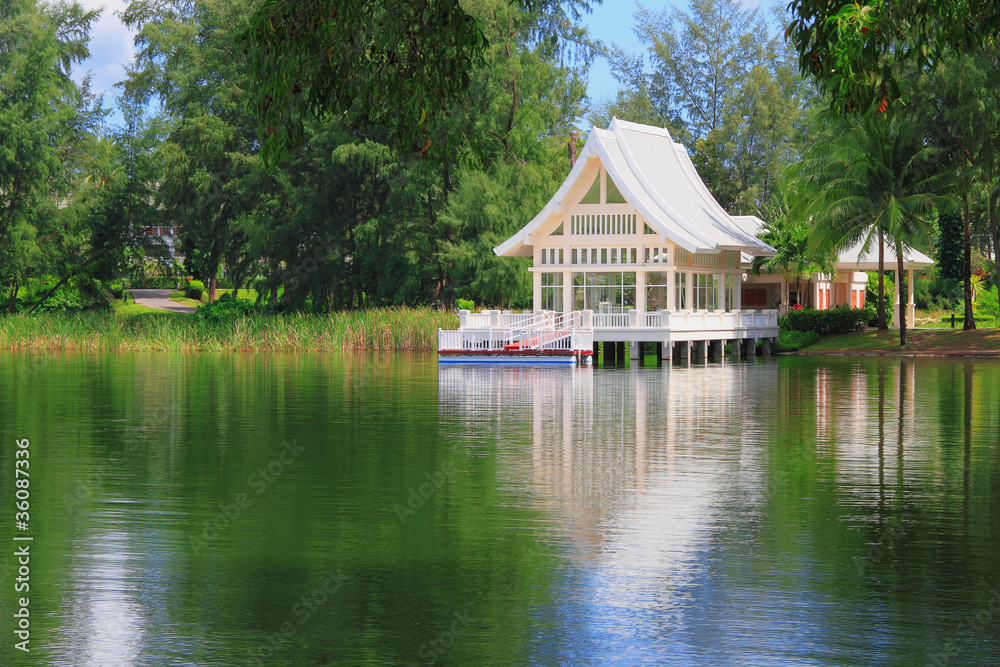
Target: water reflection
x=717, y=512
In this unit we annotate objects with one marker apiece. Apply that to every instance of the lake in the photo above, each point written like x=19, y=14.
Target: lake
x=314, y=509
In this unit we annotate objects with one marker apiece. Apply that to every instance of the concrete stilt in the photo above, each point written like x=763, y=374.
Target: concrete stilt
x=665, y=350
x=634, y=351
x=765, y=346
x=734, y=348
x=753, y=347
x=705, y=344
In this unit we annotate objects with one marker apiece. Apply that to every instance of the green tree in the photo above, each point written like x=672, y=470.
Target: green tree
x=950, y=246
x=46, y=123
x=212, y=179
x=861, y=53
x=797, y=256
x=877, y=182
x=959, y=105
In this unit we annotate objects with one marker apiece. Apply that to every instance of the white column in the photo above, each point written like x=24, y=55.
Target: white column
x=567, y=291
x=537, y=289
x=640, y=291
x=689, y=289
x=738, y=277
x=671, y=303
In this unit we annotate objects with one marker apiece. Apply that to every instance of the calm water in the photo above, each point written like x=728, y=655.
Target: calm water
x=324, y=510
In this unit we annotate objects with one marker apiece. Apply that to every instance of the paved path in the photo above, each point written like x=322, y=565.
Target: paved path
x=158, y=299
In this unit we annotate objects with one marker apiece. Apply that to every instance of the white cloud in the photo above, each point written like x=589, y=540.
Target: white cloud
x=111, y=47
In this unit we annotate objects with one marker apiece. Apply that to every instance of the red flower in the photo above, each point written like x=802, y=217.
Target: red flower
x=798, y=306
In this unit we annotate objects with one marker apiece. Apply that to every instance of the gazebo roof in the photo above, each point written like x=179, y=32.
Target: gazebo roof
x=657, y=178
x=853, y=258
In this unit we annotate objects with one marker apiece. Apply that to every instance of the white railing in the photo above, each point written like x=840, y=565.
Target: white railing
x=515, y=319
x=497, y=340
x=512, y=325
x=611, y=320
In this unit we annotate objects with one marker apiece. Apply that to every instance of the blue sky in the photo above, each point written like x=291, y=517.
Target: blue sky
x=111, y=44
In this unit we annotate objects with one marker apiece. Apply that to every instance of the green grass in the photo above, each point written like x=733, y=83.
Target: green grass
x=177, y=296
x=131, y=308
x=937, y=341
x=388, y=329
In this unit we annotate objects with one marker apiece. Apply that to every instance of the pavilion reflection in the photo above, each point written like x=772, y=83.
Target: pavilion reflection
x=653, y=449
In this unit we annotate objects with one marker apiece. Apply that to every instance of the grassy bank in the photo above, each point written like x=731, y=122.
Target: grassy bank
x=938, y=341
x=402, y=329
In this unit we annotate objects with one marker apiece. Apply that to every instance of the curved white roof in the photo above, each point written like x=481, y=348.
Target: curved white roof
x=657, y=177
x=852, y=258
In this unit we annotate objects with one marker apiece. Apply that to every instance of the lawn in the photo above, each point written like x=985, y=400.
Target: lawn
x=933, y=341
x=131, y=308
x=177, y=296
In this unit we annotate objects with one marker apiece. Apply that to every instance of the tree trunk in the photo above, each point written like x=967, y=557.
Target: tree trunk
x=995, y=233
x=970, y=321
x=882, y=325
x=903, y=289
x=211, y=290
x=13, y=298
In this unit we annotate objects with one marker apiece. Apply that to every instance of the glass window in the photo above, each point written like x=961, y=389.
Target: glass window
x=545, y=256
x=604, y=255
x=656, y=290
x=604, y=292
x=646, y=254
x=573, y=255
x=614, y=255
x=560, y=255
x=730, y=291
x=593, y=255
x=552, y=291
x=680, y=284
x=632, y=253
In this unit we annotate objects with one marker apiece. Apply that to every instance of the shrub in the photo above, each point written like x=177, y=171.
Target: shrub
x=790, y=341
x=986, y=303
x=465, y=304
x=194, y=289
x=116, y=290
x=154, y=282
x=226, y=308
x=822, y=322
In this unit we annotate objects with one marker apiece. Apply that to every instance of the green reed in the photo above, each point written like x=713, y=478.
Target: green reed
x=380, y=329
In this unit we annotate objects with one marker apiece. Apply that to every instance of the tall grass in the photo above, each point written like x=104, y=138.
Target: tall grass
x=387, y=329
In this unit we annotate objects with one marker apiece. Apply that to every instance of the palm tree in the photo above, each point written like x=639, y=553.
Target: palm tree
x=789, y=235
x=877, y=180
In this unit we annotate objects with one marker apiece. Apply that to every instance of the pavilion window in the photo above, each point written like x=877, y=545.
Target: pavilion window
x=604, y=255
x=604, y=292
x=680, y=285
x=656, y=290
x=593, y=255
x=573, y=256
x=560, y=255
x=552, y=291
x=614, y=255
x=730, y=291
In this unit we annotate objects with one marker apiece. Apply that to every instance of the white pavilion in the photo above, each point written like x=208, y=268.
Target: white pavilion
x=634, y=237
